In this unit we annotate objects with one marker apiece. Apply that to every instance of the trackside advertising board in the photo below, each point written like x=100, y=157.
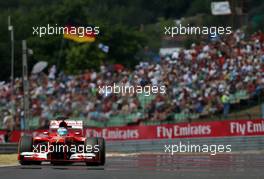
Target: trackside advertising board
x=182, y=130
x=169, y=131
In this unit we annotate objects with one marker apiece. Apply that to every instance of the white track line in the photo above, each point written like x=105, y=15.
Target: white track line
x=9, y=165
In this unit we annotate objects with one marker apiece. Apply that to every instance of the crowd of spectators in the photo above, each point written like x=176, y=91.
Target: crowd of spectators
x=198, y=80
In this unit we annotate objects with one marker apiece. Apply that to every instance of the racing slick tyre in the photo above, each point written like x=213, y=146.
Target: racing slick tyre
x=97, y=141
x=26, y=145
x=101, y=143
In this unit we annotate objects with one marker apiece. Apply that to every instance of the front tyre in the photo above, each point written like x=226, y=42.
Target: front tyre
x=26, y=145
x=101, y=143
x=101, y=146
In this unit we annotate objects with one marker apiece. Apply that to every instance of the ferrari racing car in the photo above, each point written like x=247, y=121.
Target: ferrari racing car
x=63, y=143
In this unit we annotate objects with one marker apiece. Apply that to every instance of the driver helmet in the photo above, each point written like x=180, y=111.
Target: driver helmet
x=62, y=131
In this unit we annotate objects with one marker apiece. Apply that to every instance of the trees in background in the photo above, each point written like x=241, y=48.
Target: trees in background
x=127, y=27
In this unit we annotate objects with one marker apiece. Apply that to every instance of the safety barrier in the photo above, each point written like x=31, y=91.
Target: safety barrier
x=8, y=148
x=238, y=144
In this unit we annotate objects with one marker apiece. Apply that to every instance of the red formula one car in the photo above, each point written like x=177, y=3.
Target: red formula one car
x=64, y=143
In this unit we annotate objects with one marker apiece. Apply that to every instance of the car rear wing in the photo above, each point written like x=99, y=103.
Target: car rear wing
x=54, y=124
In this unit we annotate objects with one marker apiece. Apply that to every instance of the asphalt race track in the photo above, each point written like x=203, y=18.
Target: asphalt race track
x=149, y=166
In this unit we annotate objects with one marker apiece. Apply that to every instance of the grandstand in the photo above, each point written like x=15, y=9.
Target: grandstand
x=196, y=80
